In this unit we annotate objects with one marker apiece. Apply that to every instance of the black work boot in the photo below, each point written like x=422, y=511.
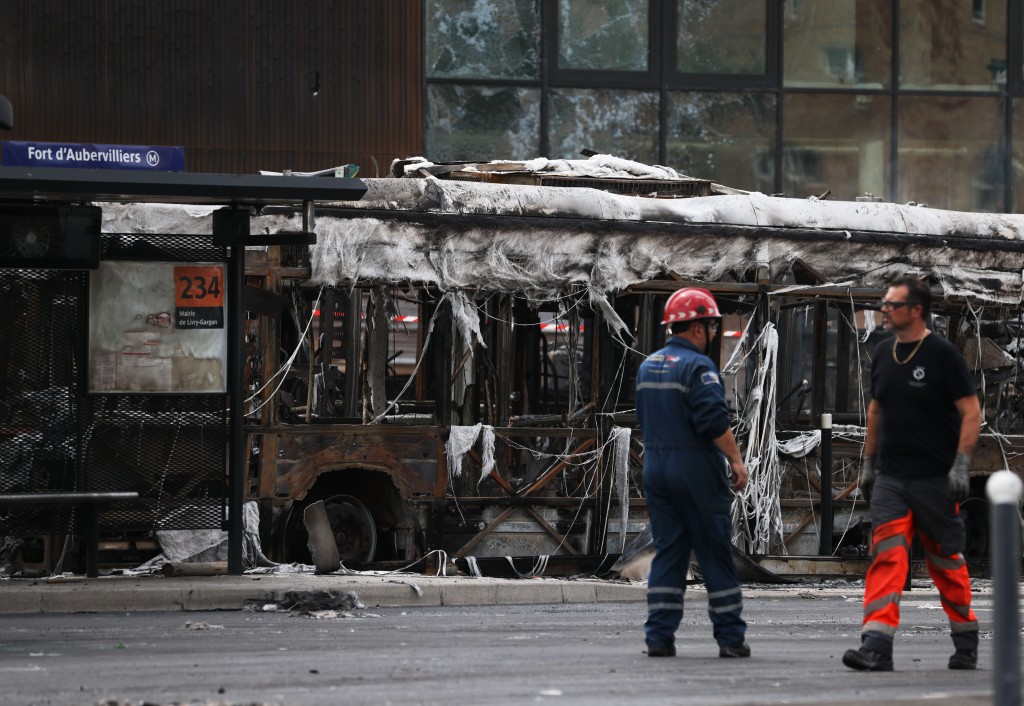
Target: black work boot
x=868, y=660
x=964, y=659
x=740, y=650
x=668, y=650
x=966, y=655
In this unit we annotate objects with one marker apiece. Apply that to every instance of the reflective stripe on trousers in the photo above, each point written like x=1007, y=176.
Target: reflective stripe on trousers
x=954, y=583
x=664, y=598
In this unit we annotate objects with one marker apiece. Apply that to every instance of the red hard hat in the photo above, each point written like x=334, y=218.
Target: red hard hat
x=690, y=304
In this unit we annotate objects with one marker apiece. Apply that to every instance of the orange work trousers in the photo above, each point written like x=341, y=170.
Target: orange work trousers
x=936, y=519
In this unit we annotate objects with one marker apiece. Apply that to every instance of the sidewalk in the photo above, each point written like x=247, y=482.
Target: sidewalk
x=77, y=594
x=156, y=592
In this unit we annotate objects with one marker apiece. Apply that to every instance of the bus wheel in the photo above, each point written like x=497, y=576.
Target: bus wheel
x=353, y=527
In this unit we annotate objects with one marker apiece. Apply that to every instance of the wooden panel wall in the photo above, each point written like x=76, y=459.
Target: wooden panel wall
x=233, y=81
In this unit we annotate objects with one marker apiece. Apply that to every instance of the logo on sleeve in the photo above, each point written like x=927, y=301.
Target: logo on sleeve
x=709, y=378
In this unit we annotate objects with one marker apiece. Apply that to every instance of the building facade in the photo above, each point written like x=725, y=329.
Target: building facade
x=910, y=100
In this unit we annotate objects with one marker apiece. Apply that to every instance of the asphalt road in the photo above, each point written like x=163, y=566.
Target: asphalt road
x=556, y=654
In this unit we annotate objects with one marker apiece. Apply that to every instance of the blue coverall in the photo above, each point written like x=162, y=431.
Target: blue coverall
x=680, y=404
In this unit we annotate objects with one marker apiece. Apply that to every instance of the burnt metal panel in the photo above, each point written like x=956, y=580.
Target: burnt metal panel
x=243, y=85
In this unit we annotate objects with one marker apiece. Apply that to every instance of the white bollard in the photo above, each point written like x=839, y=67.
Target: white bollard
x=1003, y=490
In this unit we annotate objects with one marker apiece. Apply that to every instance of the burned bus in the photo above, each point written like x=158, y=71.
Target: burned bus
x=450, y=366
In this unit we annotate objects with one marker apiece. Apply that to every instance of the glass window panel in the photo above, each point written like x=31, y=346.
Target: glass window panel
x=838, y=143
x=482, y=123
x=944, y=46
x=950, y=153
x=721, y=36
x=616, y=122
x=726, y=137
x=603, y=35
x=838, y=43
x=482, y=38
x=1018, y=156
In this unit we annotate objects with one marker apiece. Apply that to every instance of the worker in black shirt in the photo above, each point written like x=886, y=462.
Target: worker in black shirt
x=923, y=422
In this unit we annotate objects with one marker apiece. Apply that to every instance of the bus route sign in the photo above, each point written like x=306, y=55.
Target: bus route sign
x=199, y=296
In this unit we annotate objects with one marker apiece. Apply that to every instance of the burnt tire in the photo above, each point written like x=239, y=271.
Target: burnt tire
x=353, y=526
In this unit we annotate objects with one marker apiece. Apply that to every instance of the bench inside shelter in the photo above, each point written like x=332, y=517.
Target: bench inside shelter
x=90, y=504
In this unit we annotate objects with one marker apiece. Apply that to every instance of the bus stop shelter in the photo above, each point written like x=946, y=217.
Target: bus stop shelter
x=55, y=216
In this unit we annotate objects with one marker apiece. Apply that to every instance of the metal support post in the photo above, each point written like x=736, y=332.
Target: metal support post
x=825, y=531
x=91, y=519
x=230, y=226
x=1004, y=489
x=236, y=415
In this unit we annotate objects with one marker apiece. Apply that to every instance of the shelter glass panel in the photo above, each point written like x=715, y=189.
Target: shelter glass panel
x=1017, y=174
x=832, y=43
x=953, y=45
x=603, y=35
x=482, y=39
x=721, y=37
x=726, y=137
x=482, y=122
x=950, y=152
x=623, y=123
x=836, y=142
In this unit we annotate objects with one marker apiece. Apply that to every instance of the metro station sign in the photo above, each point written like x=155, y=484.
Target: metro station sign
x=92, y=156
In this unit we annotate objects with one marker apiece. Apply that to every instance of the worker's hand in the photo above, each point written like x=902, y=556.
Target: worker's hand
x=866, y=481
x=959, y=477
x=739, y=474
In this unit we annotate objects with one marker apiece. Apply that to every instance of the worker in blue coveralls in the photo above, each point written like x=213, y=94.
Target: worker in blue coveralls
x=680, y=404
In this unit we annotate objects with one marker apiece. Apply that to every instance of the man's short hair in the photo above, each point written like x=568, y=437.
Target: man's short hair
x=918, y=292
x=681, y=326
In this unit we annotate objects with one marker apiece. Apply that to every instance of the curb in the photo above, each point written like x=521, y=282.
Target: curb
x=120, y=594
x=131, y=594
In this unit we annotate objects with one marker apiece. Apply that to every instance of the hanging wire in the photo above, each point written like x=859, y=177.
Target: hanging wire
x=419, y=361
x=977, y=355
x=588, y=462
x=287, y=365
x=852, y=323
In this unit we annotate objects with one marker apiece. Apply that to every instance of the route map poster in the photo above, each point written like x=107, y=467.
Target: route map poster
x=157, y=327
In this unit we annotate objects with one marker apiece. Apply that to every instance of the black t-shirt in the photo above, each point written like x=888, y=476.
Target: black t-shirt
x=920, y=426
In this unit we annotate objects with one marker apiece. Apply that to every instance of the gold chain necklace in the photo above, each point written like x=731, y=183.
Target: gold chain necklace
x=912, y=353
